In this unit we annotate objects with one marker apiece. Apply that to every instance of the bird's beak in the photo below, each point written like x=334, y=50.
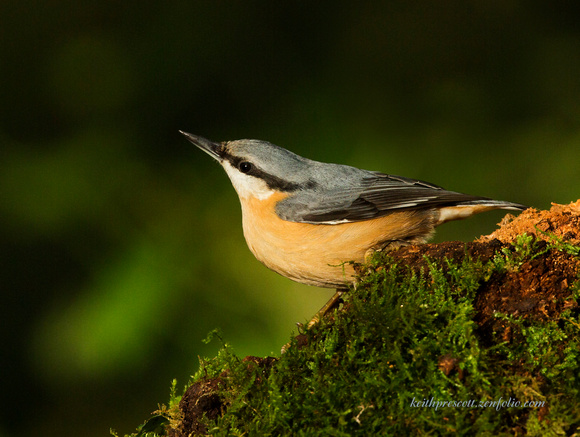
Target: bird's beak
x=209, y=147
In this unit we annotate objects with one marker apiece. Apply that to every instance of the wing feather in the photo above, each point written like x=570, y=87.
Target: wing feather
x=371, y=196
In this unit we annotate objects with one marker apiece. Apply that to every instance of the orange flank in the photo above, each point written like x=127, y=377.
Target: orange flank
x=316, y=254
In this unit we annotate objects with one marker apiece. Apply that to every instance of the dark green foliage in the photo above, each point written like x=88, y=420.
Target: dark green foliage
x=404, y=343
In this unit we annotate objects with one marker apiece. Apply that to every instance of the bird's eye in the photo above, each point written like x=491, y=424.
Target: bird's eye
x=245, y=166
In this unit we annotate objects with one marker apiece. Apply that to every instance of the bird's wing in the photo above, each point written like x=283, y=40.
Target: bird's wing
x=372, y=196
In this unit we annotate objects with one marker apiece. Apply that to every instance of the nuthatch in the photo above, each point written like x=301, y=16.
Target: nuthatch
x=306, y=219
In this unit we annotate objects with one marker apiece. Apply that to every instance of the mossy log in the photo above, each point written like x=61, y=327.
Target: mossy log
x=450, y=338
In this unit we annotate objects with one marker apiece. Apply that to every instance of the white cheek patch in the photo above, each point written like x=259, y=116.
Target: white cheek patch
x=247, y=186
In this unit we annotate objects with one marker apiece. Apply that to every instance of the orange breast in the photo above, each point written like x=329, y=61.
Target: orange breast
x=316, y=254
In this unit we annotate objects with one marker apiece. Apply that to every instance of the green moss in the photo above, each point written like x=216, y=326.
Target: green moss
x=404, y=357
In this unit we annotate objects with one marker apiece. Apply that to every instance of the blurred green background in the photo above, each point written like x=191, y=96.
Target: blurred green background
x=122, y=244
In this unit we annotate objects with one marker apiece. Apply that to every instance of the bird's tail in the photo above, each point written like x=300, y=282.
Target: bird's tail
x=496, y=204
x=468, y=208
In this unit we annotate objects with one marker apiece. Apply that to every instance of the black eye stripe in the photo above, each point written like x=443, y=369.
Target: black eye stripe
x=272, y=181
x=242, y=165
x=235, y=161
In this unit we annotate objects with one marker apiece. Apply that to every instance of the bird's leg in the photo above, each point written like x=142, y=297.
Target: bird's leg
x=328, y=306
x=388, y=246
x=333, y=303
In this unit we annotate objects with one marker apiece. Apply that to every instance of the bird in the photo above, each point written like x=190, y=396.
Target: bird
x=309, y=220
